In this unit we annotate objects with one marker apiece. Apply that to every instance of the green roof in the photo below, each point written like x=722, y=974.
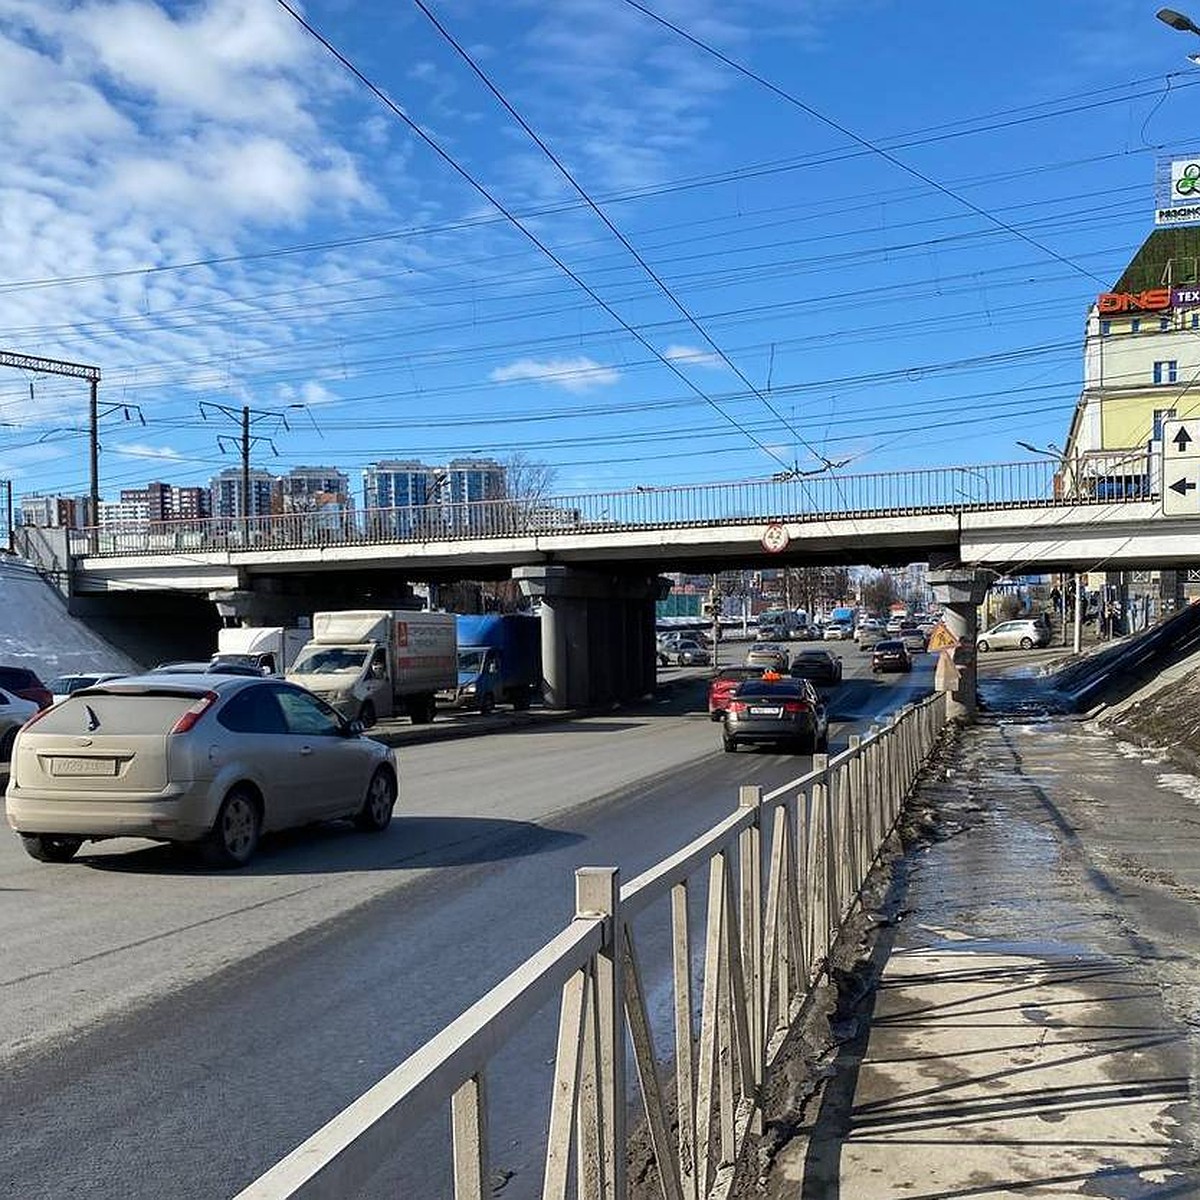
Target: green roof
x=1179, y=247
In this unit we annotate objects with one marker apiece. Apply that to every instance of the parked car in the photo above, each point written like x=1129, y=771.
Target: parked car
x=1010, y=635
x=14, y=712
x=820, y=666
x=767, y=656
x=720, y=689
x=692, y=654
x=785, y=710
x=23, y=682
x=214, y=761
x=890, y=655
x=914, y=640
x=62, y=686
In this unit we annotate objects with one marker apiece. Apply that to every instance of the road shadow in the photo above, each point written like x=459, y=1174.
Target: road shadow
x=409, y=843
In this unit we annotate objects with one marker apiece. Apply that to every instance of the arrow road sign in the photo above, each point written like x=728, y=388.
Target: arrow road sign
x=1180, y=468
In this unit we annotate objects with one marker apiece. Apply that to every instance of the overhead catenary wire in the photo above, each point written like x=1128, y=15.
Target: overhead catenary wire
x=866, y=143
x=542, y=246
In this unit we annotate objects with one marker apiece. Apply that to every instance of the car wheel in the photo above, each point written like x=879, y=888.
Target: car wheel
x=487, y=704
x=681, y=661
x=366, y=714
x=376, y=812
x=729, y=745
x=663, y=661
x=423, y=710
x=982, y=647
x=234, y=836
x=1026, y=643
x=804, y=746
x=6, y=745
x=51, y=848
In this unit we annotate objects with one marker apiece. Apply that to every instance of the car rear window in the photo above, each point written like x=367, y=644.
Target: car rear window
x=889, y=645
x=105, y=714
x=766, y=687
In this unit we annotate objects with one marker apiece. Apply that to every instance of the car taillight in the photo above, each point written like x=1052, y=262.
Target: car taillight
x=194, y=713
x=796, y=706
x=737, y=706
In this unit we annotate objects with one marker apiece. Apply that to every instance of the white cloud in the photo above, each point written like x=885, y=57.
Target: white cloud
x=693, y=357
x=572, y=374
x=145, y=450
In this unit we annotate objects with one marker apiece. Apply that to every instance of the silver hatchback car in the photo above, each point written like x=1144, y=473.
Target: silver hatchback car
x=213, y=760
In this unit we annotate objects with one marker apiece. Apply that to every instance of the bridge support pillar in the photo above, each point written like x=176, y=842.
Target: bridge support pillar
x=597, y=634
x=960, y=591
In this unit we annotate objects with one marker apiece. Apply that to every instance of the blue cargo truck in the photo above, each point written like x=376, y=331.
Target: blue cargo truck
x=499, y=661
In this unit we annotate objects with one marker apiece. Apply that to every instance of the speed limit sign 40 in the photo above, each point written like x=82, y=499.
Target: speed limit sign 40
x=774, y=538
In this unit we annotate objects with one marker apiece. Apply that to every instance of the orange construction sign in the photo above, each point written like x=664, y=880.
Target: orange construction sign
x=941, y=638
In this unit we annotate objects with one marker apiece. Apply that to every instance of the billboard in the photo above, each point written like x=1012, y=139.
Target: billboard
x=1177, y=191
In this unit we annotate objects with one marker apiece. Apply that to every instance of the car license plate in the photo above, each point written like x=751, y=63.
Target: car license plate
x=83, y=766
x=760, y=711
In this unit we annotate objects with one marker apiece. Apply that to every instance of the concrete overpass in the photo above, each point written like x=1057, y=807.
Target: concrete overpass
x=594, y=559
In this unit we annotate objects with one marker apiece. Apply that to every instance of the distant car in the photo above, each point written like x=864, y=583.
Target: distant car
x=819, y=666
x=835, y=631
x=23, y=682
x=1010, y=635
x=62, y=686
x=691, y=654
x=214, y=762
x=725, y=680
x=914, y=640
x=890, y=655
x=207, y=668
x=767, y=656
x=785, y=711
x=868, y=633
x=662, y=652
x=14, y=712
x=894, y=623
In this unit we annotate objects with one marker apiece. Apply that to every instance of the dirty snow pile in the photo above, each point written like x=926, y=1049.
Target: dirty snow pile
x=1169, y=718
x=37, y=632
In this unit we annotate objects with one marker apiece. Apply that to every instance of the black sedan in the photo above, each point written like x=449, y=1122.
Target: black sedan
x=819, y=666
x=779, y=710
x=890, y=656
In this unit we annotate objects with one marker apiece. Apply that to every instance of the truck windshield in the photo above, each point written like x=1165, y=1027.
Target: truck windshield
x=328, y=660
x=471, y=661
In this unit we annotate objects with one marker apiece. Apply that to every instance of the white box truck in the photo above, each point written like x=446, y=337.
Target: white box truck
x=271, y=648
x=376, y=663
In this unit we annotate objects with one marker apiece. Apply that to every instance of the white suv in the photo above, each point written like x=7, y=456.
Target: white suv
x=1021, y=634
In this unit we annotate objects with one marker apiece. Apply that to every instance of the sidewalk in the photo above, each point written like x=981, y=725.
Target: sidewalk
x=1034, y=1027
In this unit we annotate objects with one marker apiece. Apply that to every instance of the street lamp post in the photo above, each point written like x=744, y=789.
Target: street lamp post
x=1181, y=22
x=1060, y=456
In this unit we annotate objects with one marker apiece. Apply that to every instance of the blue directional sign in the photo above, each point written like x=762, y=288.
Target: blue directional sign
x=1181, y=468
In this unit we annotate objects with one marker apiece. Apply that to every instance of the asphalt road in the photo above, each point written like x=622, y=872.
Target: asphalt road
x=165, y=1029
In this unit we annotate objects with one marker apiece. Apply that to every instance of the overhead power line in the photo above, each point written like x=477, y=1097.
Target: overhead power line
x=584, y=195
x=517, y=223
x=858, y=139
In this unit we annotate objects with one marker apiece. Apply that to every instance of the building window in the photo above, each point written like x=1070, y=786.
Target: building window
x=1106, y=327
x=1165, y=371
x=1135, y=326
x=1196, y=320
x=1161, y=415
x=1164, y=323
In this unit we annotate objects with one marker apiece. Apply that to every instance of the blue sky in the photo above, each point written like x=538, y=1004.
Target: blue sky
x=200, y=200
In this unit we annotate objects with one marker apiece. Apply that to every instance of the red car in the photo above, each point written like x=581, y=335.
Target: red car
x=726, y=679
x=24, y=683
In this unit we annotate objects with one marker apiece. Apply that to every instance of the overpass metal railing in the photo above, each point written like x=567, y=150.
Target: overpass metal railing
x=778, y=879
x=1093, y=479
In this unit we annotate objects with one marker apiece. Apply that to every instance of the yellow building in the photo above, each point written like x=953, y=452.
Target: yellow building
x=1141, y=365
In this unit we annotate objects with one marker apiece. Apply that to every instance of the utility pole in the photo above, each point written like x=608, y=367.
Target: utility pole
x=246, y=418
